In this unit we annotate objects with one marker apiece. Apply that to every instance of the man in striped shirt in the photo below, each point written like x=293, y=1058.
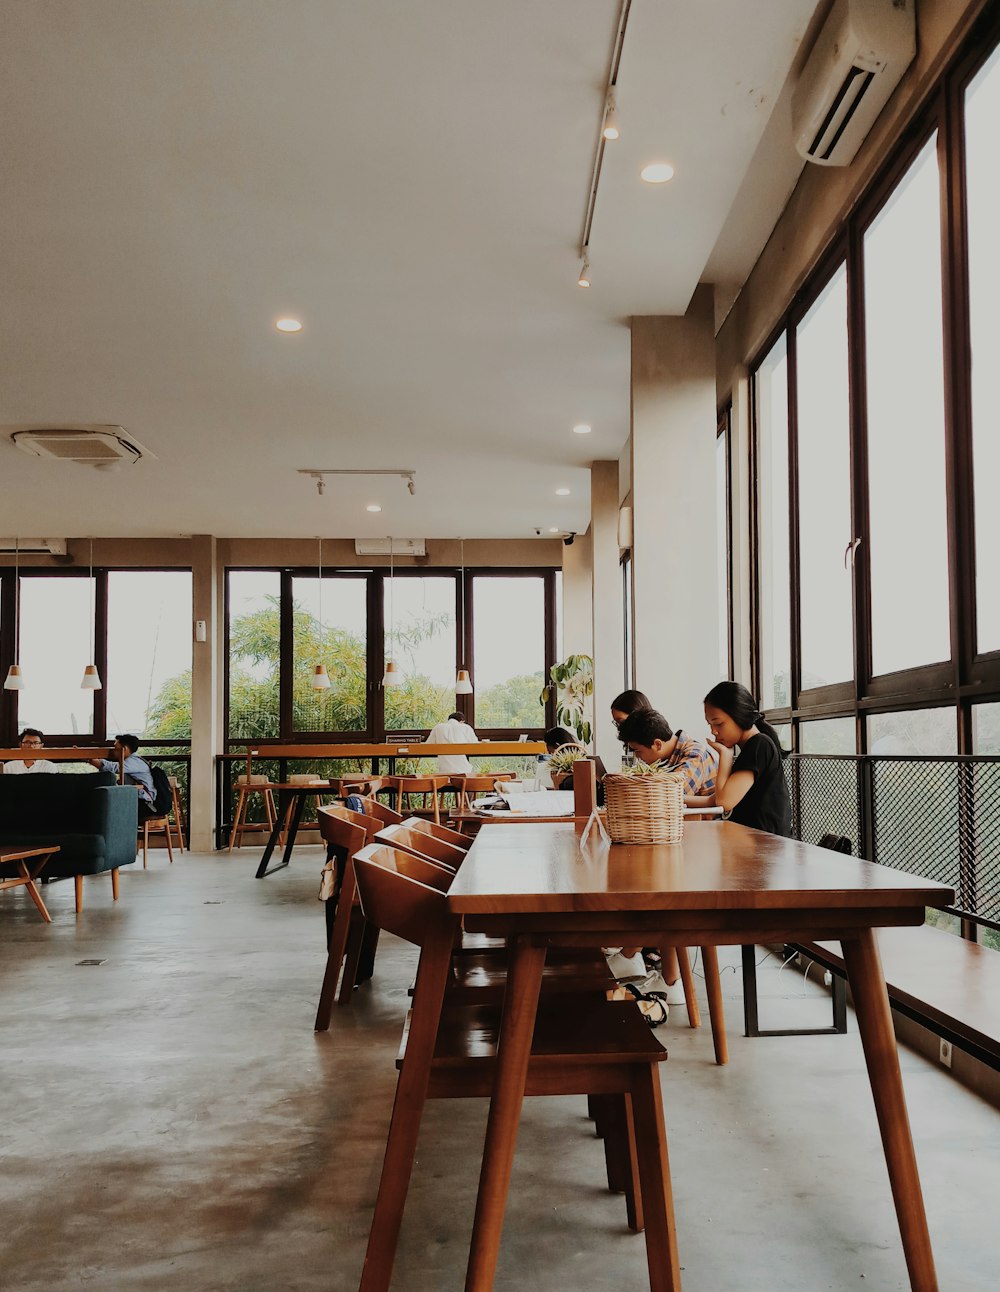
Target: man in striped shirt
x=649, y=735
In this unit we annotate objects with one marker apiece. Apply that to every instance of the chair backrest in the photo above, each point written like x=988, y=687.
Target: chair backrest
x=255, y=778
x=343, y=828
x=418, y=784
x=305, y=778
x=421, y=845
x=404, y=895
x=837, y=843
x=460, y=841
x=387, y=815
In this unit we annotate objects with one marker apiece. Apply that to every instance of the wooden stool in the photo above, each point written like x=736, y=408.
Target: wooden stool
x=251, y=784
x=180, y=822
x=422, y=785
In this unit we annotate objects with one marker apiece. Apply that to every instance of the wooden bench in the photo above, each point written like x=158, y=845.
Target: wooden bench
x=943, y=982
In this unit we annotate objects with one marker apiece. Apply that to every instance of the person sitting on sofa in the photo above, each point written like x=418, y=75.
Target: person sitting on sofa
x=137, y=771
x=31, y=738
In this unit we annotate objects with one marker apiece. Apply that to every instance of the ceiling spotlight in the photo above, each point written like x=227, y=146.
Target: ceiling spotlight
x=373, y=506
x=411, y=484
x=582, y=429
x=611, y=130
x=288, y=325
x=657, y=172
x=321, y=486
x=563, y=492
x=584, y=279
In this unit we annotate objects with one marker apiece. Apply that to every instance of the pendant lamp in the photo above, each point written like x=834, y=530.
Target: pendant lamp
x=14, y=681
x=320, y=680
x=91, y=678
x=392, y=676
x=463, y=682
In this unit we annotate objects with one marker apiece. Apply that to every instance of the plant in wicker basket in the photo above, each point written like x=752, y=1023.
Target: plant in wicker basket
x=644, y=805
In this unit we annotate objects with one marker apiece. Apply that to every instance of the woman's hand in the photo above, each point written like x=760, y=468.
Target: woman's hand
x=724, y=752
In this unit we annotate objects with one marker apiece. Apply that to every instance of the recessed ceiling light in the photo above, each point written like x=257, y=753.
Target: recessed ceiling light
x=554, y=530
x=562, y=492
x=288, y=325
x=582, y=428
x=657, y=172
x=373, y=506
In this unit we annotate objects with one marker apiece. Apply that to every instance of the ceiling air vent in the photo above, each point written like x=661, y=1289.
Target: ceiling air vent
x=103, y=447
x=399, y=546
x=34, y=546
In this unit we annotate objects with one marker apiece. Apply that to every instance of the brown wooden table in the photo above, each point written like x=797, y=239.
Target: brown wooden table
x=724, y=885
x=39, y=858
x=288, y=792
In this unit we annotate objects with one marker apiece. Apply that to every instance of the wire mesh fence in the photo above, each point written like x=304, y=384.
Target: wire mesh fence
x=934, y=817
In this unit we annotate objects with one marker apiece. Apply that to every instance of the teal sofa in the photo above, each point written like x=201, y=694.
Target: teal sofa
x=90, y=817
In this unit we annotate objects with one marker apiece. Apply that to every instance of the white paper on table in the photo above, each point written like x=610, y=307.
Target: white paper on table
x=538, y=803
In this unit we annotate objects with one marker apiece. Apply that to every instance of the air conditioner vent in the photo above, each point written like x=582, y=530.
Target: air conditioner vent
x=858, y=59
x=399, y=546
x=34, y=546
x=103, y=447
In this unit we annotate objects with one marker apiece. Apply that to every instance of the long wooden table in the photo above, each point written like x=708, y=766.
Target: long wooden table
x=538, y=886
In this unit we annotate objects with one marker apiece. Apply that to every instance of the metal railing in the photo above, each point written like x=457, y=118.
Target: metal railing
x=938, y=817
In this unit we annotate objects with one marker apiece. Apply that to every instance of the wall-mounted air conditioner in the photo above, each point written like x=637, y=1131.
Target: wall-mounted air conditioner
x=381, y=546
x=34, y=546
x=624, y=529
x=103, y=447
x=859, y=58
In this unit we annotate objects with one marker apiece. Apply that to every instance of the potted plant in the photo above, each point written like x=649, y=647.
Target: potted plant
x=572, y=681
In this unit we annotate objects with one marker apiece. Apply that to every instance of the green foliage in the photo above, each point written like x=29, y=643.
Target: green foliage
x=572, y=681
x=513, y=703
x=254, y=702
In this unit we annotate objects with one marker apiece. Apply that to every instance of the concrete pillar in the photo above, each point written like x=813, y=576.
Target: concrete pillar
x=673, y=508
x=608, y=608
x=206, y=689
x=577, y=606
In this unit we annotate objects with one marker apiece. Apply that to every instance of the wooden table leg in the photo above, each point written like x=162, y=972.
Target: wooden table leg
x=687, y=980
x=871, y=1005
x=407, y=1109
x=716, y=1009
x=654, y=1174
x=520, y=1004
x=29, y=882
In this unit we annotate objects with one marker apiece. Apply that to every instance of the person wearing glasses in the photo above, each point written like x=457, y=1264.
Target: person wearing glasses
x=31, y=739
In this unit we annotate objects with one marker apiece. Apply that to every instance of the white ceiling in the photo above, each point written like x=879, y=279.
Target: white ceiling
x=407, y=178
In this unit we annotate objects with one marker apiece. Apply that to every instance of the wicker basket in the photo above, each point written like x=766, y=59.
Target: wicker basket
x=644, y=809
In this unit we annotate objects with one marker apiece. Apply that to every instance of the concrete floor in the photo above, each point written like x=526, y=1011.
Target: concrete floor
x=171, y=1121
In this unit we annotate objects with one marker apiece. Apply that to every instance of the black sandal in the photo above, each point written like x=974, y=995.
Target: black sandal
x=656, y=1011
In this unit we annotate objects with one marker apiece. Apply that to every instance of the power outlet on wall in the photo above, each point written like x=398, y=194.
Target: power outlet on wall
x=945, y=1053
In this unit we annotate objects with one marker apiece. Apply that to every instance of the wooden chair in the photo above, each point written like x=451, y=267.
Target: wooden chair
x=443, y=832
x=582, y=1045
x=423, y=785
x=356, y=783
x=180, y=821
x=466, y=787
x=421, y=844
x=156, y=825
x=381, y=811
x=251, y=784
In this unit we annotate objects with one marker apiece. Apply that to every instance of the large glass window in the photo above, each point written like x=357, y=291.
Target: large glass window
x=906, y=450
x=329, y=626
x=915, y=731
x=982, y=112
x=57, y=643
x=824, y=480
x=509, y=641
x=420, y=639
x=771, y=395
x=828, y=736
x=254, y=654
x=148, y=685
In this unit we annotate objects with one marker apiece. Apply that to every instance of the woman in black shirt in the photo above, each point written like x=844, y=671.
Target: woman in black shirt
x=752, y=787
